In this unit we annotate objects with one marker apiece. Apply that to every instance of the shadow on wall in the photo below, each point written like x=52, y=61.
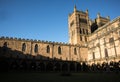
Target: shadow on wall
x=13, y=60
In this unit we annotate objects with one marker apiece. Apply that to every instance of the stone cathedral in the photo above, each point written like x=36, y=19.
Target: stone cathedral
x=90, y=41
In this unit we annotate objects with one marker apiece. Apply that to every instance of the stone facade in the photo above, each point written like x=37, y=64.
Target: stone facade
x=104, y=43
x=52, y=50
x=89, y=41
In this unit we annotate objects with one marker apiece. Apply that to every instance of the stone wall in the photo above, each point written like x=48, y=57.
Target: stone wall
x=104, y=43
x=68, y=52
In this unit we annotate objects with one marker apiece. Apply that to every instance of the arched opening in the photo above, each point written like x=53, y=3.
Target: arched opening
x=64, y=67
x=93, y=55
x=72, y=67
x=80, y=38
x=75, y=51
x=23, y=47
x=23, y=65
x=33, y=65
x=85, y=39
x=36, y=48
x=41, y=66
x=80, y=31
x=86, y=31
x=57, y=67
x=14, y=65
x=78, y=67
x=48, y=49
x=49, y=66
x=106, y=53
x=59, y=50
x=83, y=31
x=5, y=44
x=84, y=66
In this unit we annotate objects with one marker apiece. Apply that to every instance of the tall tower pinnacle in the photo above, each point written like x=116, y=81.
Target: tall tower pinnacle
x=98, y=15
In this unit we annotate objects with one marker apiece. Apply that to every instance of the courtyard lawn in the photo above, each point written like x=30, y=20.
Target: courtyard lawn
x=57, y=77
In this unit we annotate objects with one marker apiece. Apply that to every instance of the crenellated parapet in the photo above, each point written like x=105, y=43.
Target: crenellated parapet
x=41, y=41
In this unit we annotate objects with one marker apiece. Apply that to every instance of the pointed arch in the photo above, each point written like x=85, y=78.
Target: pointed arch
x=106, y=52
x=93, y=55
x=80, y=31
x=5, y=44
x=23, y=47
x=59, y=50
x=83, y=31
x=80, y=38
x=36, y=48
x=85, y=39
x=87, y=31
x=48, y=49
x=75, y=51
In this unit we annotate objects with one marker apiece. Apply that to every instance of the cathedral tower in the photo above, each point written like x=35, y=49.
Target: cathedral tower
x=78, y=24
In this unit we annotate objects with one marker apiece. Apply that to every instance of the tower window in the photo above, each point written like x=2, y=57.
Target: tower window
x=59, y=50
x=75, y=51
x=106, y=53
x=48, y=49
x=36, y=48
x=72, y=23
x=83, y=20
x=83, y=31
x=80, y=38
x=111, y=40
x=23, y=47
x=93, y=55
x=85, y=39
x=86, y=31
x=80, y=31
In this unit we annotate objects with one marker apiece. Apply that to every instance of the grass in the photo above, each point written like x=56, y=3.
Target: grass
x=57, y=77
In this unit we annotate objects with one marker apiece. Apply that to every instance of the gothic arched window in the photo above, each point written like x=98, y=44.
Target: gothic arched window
x=5, y=44
x=5, y=47
x=59, y=50
x=36, y=48
x=23, y=47
x=80, y=31
x=85, y=39
x=48, y=49
x=83, y=31
x=106, y=53
x=93, y=55
x=86, y=31
x=75, y=51
x=80, y=38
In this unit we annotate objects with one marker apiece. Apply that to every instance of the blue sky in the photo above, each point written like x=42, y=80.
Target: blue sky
x=48, y=19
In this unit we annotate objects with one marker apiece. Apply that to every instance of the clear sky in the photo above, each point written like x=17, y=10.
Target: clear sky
x=48, y=19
